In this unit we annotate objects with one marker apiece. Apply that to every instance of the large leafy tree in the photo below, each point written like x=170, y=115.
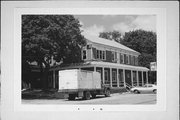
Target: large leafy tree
x=114, y=35
x=47, y=37
x=139, y=40
x=143, y=42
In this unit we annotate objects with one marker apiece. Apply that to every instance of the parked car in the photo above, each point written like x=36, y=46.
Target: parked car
x=147, y=88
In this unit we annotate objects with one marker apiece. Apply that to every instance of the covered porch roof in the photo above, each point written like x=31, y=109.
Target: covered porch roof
x=100, y=64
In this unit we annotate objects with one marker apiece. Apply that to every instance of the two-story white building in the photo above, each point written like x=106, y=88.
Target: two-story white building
x=117, y=64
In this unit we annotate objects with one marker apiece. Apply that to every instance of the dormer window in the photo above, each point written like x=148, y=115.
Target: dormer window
x=89, y=46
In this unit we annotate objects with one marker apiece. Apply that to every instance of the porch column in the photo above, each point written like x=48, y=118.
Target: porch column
x=132, y=78
x=147, y=77
x=54, y=79
x=117, y=78
x=124, y=78
x=103, y=75
x=137, y=78
x=142, y=78
x=111, y=77
x=94, y=69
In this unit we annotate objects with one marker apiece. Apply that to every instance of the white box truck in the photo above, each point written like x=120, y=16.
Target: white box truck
x=80, y=83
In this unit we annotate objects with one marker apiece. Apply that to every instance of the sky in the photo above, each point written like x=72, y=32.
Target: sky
x=94, y=24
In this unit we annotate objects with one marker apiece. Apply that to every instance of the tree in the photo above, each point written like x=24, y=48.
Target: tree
x=143, y=42
x=139, y=40
x=47, y=37
x=114, y=35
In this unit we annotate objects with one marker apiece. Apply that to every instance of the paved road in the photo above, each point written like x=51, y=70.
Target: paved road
x=126, y=98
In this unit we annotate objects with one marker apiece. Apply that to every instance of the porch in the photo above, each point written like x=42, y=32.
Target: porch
x=115, y=75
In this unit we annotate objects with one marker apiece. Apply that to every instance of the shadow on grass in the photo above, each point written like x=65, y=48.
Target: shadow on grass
x=41, y=94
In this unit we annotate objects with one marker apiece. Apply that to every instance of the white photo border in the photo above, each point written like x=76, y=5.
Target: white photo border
x=161, y=58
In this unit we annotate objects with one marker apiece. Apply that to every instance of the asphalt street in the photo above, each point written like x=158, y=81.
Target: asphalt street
x=126, y=98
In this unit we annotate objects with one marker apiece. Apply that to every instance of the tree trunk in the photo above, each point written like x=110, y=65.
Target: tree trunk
x=42, y=74
x=45, y=75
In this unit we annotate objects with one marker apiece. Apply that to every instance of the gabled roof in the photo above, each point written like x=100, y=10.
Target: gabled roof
x=107, y=42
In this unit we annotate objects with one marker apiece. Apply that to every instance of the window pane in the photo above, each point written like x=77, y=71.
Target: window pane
x=103, y=55
x=125, y=58
x=113, y=56
x=97, y=54
x=136, y=60
x=100, y=56
x=122, y=58
x=132, y=60
x=84, y=54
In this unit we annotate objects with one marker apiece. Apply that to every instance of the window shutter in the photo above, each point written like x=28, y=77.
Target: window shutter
x=125, y=59
x=130, y=60
x=115, y=56
x=94, y=53
x=108, y=56
x=136, y=60
x=119, y=57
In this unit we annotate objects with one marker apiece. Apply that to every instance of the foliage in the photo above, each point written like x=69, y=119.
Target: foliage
x=138, y=40
x=47, y=37
x=114, y=35
x=143, y=42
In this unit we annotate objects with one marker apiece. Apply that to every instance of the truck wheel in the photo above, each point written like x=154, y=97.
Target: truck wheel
x=93, y=95
x=71, y=97
x=107, y=93
x=86, y=95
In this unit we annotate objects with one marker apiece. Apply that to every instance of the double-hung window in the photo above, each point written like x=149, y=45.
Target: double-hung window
x=97, y=53
x=127, y=59
x=103, y=55
x=100, y=54
x=121, y=58
x=113, y=56
x=84, y=54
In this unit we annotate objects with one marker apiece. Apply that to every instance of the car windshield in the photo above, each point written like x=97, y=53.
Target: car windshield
x=148, y=85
